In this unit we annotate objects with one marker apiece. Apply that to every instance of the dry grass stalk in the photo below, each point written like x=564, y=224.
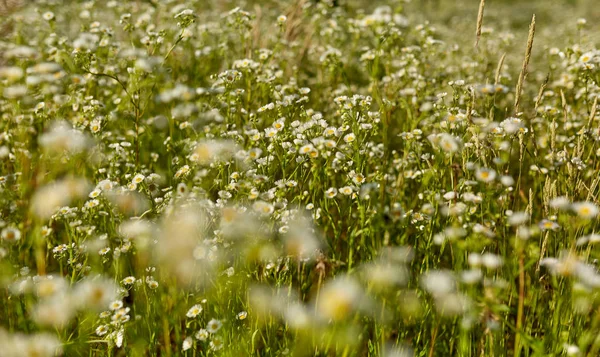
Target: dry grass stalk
x=479, y=22
x=499, y=69
x=538, y=99
x=592, y=113
x=525, y=64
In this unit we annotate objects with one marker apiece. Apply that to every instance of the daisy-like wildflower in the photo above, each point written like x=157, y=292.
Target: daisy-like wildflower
x=11, y=235
x=213, y=326
x=560, y=202
x=187, y=344
x=96, y=293
x=12, y=74
x=491, y=261
x=571, y=350
x=518, y=218
x=50, y=198
x=242, y=315
x=439, y=283
x=38, y=344
x=270, y=132
x=56, y=311
x=128, y=280
x=313, y=154
x=263, y=207
x=62, y=137
x=513, y=125
x=216, y=343
x=452, y=304
x=182, y=172
x=306, y=149
x=102, y=330
x=202, y=335
x=357, y=178
x=115, y=305
x=91, y=204
x=95, y=126
x=471, y=276
x=339, y=299
x=547, y=224
x=585, y=210
x=182, y=189
x=48, y=16
x=104, y=185
x=300, y=239
x=525, y=233
x=279, y=124
x=330, y=131
x=507, y=180
x=152, y=284
x=331, y=192
x=194, y=311
x=297, y=316
x=117, y=337
x=349, y=137
x=485, y=175
x=448, y=143
x=50, y=285
x=346, y=190
x=137, y=179
x=209, y=151
x=587, y=57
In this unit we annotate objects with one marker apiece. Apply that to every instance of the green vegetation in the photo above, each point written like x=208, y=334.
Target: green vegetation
x=194, y=178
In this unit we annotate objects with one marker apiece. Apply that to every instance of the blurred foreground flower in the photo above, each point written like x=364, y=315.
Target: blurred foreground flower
x=301, y=240
x=340, y=298
x=62, y=138
x=48, y=199
x=180, y=249
x=38, y=345
x=95, y=293
x=211, y=151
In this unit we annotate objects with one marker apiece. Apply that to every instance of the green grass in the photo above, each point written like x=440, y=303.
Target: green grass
x=351, y=180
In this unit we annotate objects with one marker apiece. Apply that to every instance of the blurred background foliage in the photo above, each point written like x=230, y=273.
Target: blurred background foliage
x=457, y=17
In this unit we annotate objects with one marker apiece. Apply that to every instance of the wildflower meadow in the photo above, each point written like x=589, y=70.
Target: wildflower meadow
x=299, y=178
